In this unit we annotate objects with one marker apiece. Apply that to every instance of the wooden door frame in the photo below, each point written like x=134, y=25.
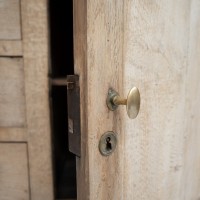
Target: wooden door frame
x=35, y=41
x=80, y=66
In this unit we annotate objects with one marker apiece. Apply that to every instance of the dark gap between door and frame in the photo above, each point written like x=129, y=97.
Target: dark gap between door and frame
x=62, y=62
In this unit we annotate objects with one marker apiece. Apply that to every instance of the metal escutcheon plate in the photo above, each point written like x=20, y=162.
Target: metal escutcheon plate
x=107, y=143
x=109, y=101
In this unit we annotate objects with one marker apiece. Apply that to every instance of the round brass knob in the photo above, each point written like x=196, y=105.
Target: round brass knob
x=132, y=102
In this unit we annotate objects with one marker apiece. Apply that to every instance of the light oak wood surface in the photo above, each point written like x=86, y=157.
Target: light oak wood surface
x=153, y=45
x=104, y=70
x=80, y=67
x=12, y=99
x=13, y=134
x=161, y=59
x=11, y=48
x=25, y=144
x=14, y=180
x=36, y=66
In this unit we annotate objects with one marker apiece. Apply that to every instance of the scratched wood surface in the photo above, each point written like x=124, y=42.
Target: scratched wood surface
x=154, y=45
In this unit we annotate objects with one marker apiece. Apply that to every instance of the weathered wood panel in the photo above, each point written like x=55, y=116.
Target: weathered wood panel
x=99, y=61
x=36, y=64
x=12, y=100
x=153, y=45
x=10, y=20
x=80, y=63
x=104, y=70
x=160, y=54
x=13, y=172
x=190, y=187
x=156, y=57
x=13, y=134
x=10, y=48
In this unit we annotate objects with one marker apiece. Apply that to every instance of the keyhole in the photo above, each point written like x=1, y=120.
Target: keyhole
x=108, y=144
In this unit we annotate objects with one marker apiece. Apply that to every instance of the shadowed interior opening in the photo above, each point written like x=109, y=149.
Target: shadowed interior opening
x=61, y=43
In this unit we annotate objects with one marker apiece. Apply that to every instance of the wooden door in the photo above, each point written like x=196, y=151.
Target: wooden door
x=155, y=46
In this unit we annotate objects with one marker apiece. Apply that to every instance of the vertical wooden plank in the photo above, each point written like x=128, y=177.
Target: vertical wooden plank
x=80, y=67
x=36, y=63
x=191, y=153
x=99, y=61
x=104, y=70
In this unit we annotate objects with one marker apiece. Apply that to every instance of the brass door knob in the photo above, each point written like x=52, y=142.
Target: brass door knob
x=132, y=102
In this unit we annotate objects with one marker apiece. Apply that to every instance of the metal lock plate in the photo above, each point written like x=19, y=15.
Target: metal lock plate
x=73, y=102
x=107, y=143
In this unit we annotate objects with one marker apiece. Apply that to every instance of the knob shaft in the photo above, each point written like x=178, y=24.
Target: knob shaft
x=132, y=102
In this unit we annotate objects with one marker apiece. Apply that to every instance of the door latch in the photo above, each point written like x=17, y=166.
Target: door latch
x=73, y=106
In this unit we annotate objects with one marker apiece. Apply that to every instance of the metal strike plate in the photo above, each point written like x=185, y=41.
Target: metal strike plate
x=73, y=103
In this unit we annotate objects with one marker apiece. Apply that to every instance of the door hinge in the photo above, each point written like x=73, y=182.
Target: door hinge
x=73, y=106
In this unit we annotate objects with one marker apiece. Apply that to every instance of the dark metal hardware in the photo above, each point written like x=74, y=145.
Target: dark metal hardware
x=73, y=101
x=73, y=104
x=107, y=143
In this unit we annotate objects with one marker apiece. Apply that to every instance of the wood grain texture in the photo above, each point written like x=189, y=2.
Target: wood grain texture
x=104, y=70
x=10, y=48
x=153, y=45
x=13, y=172
x=155, y=61
x=191, y=161
x=80, y=67
x=36, y=64
x=160, y=54
x=12, y=100
x=98, y=60
x=10, y=20
x=13, y=135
